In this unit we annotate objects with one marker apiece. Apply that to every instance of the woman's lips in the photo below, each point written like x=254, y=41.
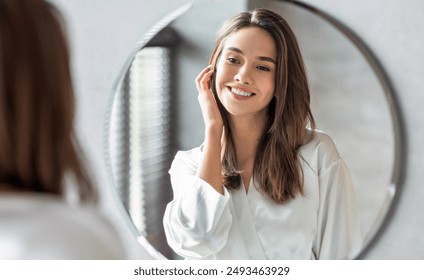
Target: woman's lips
x=240, y=94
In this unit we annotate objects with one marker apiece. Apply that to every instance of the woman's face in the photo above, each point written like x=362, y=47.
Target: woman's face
x=245, y=72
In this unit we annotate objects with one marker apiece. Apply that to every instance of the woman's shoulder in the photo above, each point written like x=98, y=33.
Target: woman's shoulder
x=190, y=154
x=319, y=151
x=317, y=139
x=187, y=159
x=46, y=227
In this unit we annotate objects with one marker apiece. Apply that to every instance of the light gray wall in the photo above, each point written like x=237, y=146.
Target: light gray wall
x=103, y=33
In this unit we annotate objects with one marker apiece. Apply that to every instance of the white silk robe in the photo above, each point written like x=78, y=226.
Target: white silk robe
x=200, y=223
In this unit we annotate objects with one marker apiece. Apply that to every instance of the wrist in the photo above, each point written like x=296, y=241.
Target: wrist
x=214, y=131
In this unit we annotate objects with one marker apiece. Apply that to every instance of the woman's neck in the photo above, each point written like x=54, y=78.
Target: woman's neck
x=247, y=132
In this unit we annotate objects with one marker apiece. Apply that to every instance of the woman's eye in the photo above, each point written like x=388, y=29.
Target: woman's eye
x=263, y=68
x=232, y=60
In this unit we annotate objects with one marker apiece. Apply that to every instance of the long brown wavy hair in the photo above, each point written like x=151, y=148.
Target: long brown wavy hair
x=277, y=168
x=38, y=147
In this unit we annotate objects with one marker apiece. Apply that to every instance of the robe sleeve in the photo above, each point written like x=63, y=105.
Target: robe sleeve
x=197, y=221
x=338, y=231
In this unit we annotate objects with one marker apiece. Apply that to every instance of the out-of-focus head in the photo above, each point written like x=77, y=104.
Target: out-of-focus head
x=36, y=98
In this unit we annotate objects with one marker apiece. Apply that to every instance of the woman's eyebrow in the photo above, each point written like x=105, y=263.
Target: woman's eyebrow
x=263, y=58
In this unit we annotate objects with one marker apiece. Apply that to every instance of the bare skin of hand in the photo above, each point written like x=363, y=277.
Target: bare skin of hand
x=210, y=167
x=211, y=115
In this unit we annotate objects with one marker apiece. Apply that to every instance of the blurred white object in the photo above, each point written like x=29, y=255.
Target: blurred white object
x=39, y=226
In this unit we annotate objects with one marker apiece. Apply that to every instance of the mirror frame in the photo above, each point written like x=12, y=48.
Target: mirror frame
x=400, y=148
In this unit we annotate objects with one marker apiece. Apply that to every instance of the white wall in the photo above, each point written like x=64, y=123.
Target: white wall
x=103, y=33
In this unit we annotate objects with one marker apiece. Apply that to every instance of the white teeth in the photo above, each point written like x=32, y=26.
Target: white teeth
x=240, y=92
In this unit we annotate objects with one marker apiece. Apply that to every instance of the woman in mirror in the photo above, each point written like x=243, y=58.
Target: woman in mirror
x=264, y=184
x=39, y=155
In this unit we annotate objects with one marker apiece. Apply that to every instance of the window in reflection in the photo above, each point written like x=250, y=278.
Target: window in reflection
x=145, y=152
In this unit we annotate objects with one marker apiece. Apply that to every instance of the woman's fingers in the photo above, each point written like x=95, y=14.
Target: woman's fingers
x=211, y=115
x=202, y=80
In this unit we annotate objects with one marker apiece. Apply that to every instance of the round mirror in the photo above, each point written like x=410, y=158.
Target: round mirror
x=154, y=110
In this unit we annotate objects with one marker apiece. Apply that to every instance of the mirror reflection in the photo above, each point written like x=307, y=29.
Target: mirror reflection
x=155, y=112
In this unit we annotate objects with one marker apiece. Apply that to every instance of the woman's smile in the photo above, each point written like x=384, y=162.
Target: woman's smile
x=240, y=94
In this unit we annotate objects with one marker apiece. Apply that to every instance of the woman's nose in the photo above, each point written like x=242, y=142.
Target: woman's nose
x=243, y=76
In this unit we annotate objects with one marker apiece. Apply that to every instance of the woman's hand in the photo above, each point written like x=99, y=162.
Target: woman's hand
x=211, y=114
x=210, y=166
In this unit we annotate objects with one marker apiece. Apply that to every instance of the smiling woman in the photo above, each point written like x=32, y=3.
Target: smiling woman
x=347, y=88
x=262, y=185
